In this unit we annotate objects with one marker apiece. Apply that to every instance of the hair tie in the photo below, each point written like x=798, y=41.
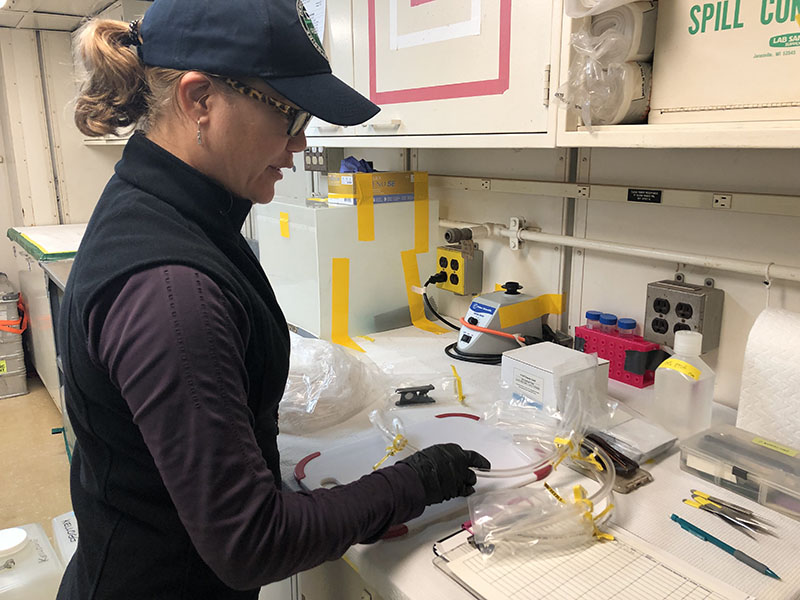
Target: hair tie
x=133, y=33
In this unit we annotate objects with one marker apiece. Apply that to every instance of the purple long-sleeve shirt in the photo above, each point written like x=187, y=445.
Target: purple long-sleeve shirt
x=173, y=343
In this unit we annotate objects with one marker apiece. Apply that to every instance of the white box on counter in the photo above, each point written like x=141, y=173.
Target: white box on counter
x=531, y=371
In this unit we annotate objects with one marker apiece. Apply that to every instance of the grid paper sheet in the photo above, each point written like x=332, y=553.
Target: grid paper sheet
x=593, y=572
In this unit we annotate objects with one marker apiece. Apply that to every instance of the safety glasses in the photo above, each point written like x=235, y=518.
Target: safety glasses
x=298, y=119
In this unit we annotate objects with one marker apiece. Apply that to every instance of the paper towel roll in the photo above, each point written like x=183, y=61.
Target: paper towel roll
x=769, y=402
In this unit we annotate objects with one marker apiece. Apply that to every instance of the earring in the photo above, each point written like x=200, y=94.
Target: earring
x=199, y=134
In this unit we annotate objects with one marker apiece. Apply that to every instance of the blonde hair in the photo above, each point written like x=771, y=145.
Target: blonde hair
x=119, y=91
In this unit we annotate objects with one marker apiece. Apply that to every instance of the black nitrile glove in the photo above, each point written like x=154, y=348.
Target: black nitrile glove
x=445, y=471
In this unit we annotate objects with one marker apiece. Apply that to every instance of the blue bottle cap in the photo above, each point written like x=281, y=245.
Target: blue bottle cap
x=608, y=319
x=593, y=315
x=626, y=324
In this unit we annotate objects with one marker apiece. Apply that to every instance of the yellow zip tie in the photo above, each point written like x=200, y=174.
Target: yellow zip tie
x=591, y=459
x=562, y=443
x=603, y=512
x=555, y=493
x=550, y=489
x=366, y=337
x=459, y=388
x=579, y=493
x=398, y=443
x=599, y=533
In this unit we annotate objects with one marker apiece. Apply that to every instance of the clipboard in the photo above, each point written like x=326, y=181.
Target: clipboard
x=624, y=565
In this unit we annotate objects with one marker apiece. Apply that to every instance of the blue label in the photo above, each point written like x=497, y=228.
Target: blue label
x=482, y=308
x=524, y=402
x=387, y=198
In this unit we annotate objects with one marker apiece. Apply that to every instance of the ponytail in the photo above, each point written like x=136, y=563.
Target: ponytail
x=115, y=93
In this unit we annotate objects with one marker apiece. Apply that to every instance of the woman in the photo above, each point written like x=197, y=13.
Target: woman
x=175, y=351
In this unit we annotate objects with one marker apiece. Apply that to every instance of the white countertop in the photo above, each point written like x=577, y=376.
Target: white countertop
x=402, y=568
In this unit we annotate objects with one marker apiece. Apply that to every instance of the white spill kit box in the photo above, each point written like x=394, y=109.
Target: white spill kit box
x=733, y=60
x=531, y=372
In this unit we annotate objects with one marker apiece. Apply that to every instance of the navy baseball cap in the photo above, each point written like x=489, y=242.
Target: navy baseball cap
x=270, y=39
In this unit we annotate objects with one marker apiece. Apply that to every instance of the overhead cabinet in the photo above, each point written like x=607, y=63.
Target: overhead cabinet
x=723, y=76
x=450, y=68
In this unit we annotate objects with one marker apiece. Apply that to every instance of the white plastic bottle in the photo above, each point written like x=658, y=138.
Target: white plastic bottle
x=29, y=567
x=684, y=388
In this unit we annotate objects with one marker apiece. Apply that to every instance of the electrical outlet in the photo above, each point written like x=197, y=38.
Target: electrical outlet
x=319, y=158
x=722, y=200
x=676, y=305
x=464, y=272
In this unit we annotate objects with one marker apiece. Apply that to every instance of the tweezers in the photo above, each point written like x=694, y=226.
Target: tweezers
x=729, y=520
x=734, y=507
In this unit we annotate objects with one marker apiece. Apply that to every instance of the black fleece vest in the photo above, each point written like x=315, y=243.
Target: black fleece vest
x=156, y=210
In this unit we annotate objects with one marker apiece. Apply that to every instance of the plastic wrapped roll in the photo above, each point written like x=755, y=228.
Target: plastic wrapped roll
x=583, y=8
x=636, y=25
x=622, y=95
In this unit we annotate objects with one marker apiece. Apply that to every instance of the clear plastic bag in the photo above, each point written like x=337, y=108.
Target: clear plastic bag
x=543, y=517
x=543, y=436
x=327, y=384
x=604, y=92
x=547, y=431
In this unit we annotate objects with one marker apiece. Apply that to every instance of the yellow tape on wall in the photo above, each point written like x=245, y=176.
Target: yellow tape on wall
x=421, y=212
x=284, y=219
x=365, y=207
x=546, y=304
x=415, y=304
x=340, y=303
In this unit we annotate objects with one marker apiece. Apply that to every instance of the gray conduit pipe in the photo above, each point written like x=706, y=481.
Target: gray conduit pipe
x=766, y=271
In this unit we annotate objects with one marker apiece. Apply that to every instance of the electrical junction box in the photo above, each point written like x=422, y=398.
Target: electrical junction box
x=464, y=272
x=319, y=158
x=674, y=305
x=531, y=373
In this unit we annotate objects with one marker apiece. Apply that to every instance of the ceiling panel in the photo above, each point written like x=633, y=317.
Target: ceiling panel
x=46, y=21
x=9, y=19
x=72, y=7
x=63, y=15
x=23, y=5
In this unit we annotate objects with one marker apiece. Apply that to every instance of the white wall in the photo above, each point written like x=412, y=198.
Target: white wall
x=618, y=284
x=29, y=192
x=83, y=170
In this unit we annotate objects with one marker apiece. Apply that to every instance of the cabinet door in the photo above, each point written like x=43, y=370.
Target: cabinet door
x=337, y=40
x=453, y=66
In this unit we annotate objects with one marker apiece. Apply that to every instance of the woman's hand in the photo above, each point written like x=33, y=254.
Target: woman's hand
x=445, y=471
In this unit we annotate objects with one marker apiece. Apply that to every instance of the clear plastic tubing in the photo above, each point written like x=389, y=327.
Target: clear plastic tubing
x=608, y=323
x=593, y=319
x=627, y=328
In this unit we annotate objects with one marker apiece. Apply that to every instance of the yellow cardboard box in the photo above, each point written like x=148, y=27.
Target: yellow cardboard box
x=354, y=188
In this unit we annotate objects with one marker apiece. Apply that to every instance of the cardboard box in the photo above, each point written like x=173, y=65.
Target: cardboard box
x=731, y=60
x=353, y=188
x=531, y=372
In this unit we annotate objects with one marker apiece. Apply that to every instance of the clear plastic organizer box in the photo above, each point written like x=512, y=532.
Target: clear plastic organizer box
x=748, y=464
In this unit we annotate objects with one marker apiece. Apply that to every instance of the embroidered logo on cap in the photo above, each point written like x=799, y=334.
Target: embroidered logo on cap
x=308, y=27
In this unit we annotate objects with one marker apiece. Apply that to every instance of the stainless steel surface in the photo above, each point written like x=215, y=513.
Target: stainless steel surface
x=58, y=271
